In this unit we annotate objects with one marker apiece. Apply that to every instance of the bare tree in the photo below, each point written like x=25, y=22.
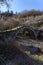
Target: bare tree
x=5, y=2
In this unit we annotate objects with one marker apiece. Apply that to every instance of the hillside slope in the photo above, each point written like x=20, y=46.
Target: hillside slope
x=22, y=50
x=32, y=18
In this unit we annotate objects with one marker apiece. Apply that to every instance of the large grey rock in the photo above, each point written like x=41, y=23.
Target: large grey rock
x=34, y=50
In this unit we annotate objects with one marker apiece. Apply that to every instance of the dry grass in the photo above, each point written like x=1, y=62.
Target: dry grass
x=36, y=57
x=8, y=24
x=11, y=22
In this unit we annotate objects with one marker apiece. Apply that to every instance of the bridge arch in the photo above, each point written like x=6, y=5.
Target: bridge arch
x=27, y=31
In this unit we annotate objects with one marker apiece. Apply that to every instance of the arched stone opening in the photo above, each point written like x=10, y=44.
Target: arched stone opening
x=27, y=33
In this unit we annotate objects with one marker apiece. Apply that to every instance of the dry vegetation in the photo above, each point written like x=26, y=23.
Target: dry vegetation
x=18, y=52
x=33, y=18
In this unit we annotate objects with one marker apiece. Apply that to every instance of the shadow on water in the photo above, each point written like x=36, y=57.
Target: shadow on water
x=10, y=55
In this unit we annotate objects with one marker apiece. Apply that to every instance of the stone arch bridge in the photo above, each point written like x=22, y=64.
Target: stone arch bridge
x=22, y=30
